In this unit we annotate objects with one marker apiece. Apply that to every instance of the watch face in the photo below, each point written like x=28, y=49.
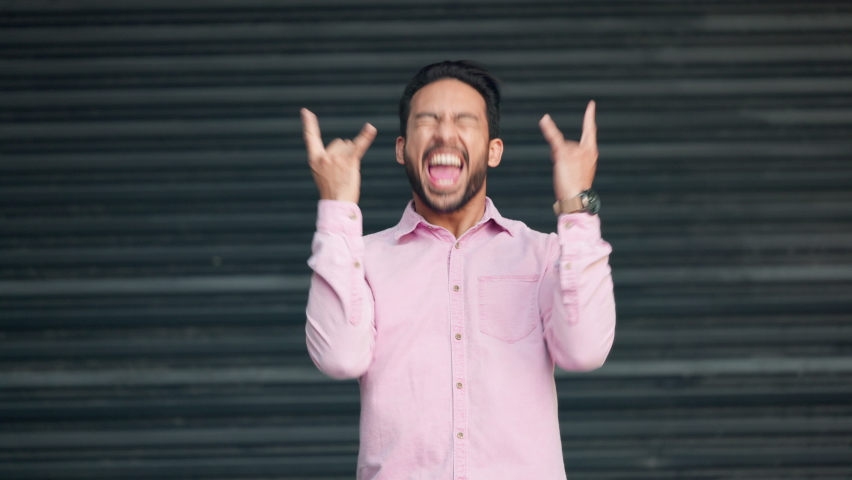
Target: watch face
x=592, y=202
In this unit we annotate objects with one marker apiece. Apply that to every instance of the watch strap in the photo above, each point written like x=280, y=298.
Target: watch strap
x=569, y=205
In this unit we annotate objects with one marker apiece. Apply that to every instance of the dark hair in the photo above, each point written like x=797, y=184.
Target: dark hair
x=471, y=73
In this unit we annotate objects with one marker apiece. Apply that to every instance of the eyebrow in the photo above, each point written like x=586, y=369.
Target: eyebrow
x=426, y=114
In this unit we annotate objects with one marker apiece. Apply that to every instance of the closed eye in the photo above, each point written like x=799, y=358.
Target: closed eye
x=466, y=119
x=425, y=119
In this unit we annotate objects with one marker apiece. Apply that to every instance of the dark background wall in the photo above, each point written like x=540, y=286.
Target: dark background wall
x=156, y=212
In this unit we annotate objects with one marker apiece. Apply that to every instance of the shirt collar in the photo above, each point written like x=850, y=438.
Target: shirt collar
x=411, y=219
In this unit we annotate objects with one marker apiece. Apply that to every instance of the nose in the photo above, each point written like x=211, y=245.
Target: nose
x=447, y=131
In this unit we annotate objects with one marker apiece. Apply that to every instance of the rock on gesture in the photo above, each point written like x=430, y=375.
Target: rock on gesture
x=573, y=162
x=336, y=167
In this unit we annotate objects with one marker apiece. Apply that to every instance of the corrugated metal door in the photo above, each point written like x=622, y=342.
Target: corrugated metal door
x=156, y=213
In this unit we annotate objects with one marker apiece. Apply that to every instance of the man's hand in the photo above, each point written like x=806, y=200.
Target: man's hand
x=336, y=167
x=573, y=162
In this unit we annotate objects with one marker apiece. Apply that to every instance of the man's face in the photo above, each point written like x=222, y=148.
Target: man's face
x=446, y=151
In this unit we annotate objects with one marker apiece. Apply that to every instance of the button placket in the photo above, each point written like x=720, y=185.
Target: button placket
x=456, y=280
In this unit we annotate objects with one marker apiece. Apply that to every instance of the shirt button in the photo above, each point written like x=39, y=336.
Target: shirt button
x=458, y=245
x=567, y=266
x=459, y=385
x=458, y=336
x=353, y=216
x=357, y=264
x=460, y=435
x=567, y=225
x=455, y=288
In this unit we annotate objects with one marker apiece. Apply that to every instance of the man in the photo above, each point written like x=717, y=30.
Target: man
x=453, y=320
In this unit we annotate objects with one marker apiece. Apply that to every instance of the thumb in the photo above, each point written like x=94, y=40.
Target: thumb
x=364, y=139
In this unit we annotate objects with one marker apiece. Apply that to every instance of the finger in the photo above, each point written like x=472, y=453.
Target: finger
x=551, y=133
x=364, y=139
x=337, y=147
x=590, y=128
x=311, y=132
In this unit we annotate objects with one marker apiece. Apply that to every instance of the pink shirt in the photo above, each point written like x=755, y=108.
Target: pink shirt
x=454, y=341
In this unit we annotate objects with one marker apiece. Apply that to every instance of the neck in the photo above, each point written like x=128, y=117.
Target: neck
x=459, y=221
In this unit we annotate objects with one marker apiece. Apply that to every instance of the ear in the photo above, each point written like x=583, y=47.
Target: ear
x=495, y=152
x=400, y=150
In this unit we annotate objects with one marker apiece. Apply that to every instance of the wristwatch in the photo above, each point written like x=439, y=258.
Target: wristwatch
x=587, y=201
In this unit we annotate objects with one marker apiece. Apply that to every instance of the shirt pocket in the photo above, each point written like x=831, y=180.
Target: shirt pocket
x=508, y=306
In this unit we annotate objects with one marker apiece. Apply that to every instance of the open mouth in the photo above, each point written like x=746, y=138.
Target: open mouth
x=444, y=169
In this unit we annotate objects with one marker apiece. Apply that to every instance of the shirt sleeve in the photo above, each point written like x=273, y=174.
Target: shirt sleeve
x=340, y=327
x=577, y=303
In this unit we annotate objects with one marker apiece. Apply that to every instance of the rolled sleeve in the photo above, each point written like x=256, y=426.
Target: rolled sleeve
x=581, y=323
x=340, y=330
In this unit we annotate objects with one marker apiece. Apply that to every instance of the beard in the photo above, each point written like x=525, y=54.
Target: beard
x=446, y=202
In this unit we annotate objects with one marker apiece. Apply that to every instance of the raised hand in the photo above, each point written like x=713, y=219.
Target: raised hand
x=574, y=163
x=336, y=167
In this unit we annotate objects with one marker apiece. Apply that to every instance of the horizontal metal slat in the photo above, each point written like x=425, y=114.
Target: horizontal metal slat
x=404, y=28
x=131, y=343
x=272, y=375
x=156, y=285
x=631, y=153
x=176, y=437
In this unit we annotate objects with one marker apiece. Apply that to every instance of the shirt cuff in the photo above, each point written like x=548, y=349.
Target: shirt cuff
x=578, y=227
x=334, y=216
